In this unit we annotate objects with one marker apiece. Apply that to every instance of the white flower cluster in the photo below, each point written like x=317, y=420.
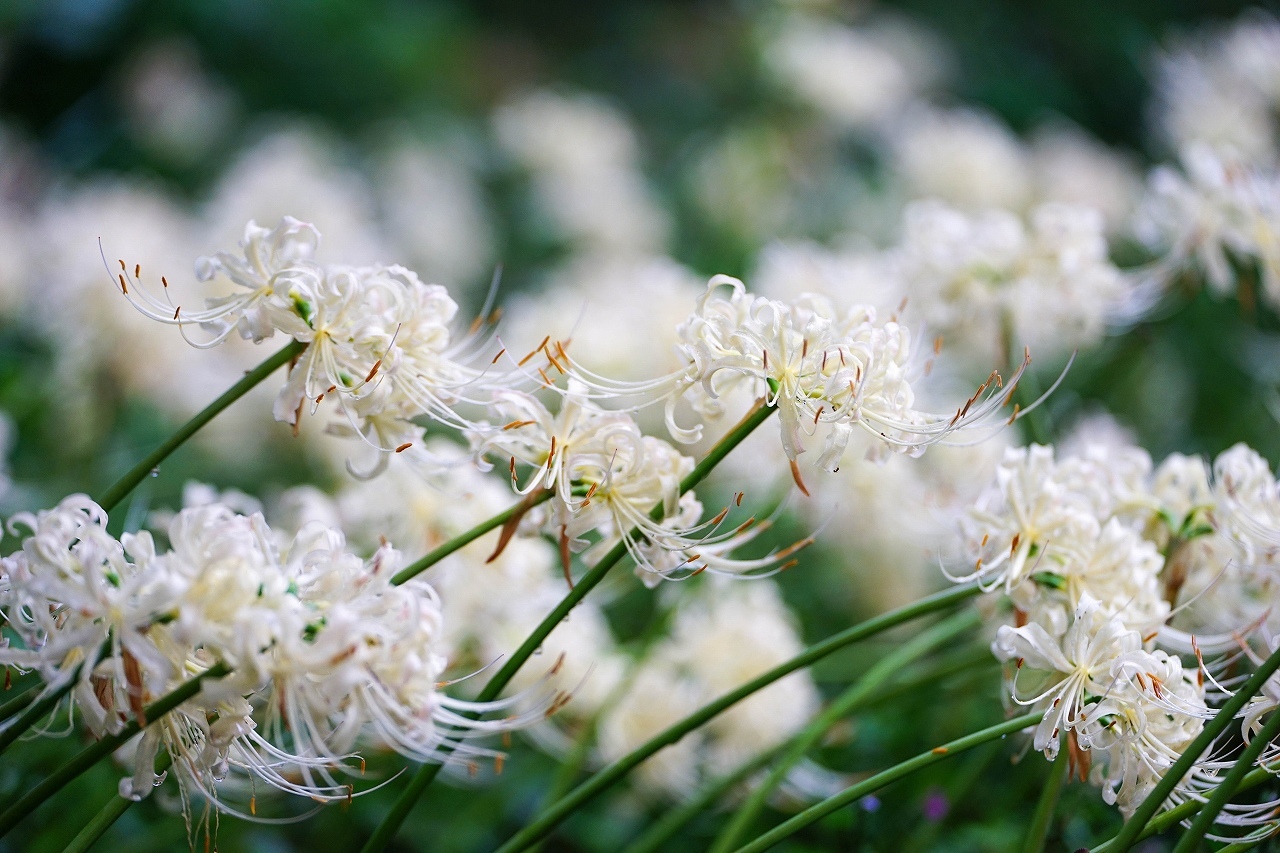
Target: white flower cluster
x=322, y=649
x=1114, y=570
x=987, y=280
x=491, y=599
x=819, y=366
x=378, y=340
x=1223, y=88
x=1214, y=214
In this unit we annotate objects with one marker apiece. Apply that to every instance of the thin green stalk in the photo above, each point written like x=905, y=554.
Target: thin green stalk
x=1227, y=787
x=464, y=539
x=1038, y=832
x=856, y=695
x=1186, y=809
x=856, y=792
x=966, y=662
x=17, y=702
x=606, y=777
x=656, y=836
x=44, y=704
x=37, y=710
x=116, y=493
x=90, y=756
x=427, y=773
x=1133, y=826
x=108, y=815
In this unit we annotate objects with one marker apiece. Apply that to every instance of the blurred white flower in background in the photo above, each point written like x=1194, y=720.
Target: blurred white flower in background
x=724, y=635
x=435, y=212
x=857, y=76
x=964, y=156
x=1221, y=87
x=584, y=161
x=174, y=108
x=298, y=171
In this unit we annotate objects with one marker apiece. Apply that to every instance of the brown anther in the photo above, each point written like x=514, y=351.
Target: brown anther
x=1014, y=543
x=1019, y=617
x=1018, y=663
x=719, y=517
x=137, y=270
x=123, y=287
x=177, y=311
x=818, y=414
x=8, y=678
x=560, y=351
x=500, y=354
x=552, y=452
x=804, y=348
x=362, y=767
x=591, y=491
x=1013, y=417
x=123, y=268
x=253, y=805
x=556, y=667
x=737, y=499
x=402, y=448
x=498, y=761
x=765, y=358
x=546, y=380
x=518, y=424
x=824, y=360
x=939, y=750
x=506, y=740
x=789, y=564
x=937, y=345
x=744, y=525
x=164, y=281
x=373, y=371
x=133, y=678
x=698, y=571
x=985, y=537
x=795, y=475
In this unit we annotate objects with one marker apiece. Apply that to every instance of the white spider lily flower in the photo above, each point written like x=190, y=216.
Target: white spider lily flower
x=1149, y=718
x=378, y=340
x=251, y=309
x=1214, y=209
x=607, y=478
x=74, y=587
x=1077, y=670
x=817, y=366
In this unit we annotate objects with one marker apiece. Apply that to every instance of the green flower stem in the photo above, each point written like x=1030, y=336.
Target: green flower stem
x=464, y=539
x=90, y=756
x=857, y=694
x=1227, y=787
x=884, y=777
x=44, y=704
x=618, y=769
x=1134, y=825
x=116, y=493
x=1038, y=832
x=108, y=815
x=656, y=836
x=1186, y=809
x=19, y=701
x=421, y=780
